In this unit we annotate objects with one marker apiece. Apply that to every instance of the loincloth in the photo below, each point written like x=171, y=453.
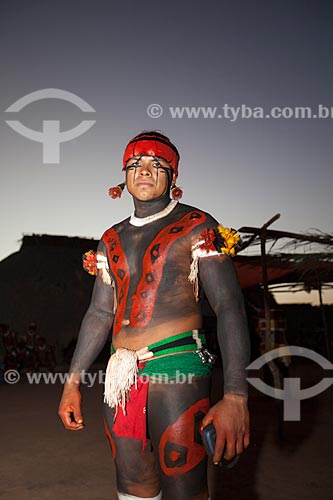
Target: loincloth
x=178, y=359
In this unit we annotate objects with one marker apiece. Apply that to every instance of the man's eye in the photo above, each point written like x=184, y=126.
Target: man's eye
x=161, y=168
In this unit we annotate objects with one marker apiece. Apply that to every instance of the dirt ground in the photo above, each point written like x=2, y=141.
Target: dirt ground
x=43, y=461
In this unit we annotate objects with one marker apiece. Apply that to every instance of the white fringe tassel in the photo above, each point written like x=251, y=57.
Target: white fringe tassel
x=193, y=276
x=198, y=253
x=103, y=271
x=103, y=268
x=121, y=374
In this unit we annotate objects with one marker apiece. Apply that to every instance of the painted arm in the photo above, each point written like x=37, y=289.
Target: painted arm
x=230, y=415
x=93, y=334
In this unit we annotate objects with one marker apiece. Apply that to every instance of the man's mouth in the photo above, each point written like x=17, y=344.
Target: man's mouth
x=144, y=183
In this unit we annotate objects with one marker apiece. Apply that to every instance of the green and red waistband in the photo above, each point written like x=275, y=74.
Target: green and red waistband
x=178, y=359
x=187, y=341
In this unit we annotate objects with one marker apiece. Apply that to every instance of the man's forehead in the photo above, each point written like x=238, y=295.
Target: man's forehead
x=150, y=158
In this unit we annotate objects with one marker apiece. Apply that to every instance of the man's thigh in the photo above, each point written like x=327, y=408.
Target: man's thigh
x=175, y=412
x=136, y=469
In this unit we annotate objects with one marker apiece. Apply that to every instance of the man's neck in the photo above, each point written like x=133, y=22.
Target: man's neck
x=151, y=207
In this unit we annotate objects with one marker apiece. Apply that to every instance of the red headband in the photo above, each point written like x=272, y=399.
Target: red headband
x=152, y=146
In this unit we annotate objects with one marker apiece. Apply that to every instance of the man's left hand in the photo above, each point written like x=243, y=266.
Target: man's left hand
x=230, y=417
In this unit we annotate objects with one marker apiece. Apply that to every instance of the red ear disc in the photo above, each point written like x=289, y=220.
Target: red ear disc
x=117, y=191
x=176, y=192
x=152, y=146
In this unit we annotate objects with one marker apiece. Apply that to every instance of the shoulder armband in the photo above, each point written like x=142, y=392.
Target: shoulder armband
x=95, y=263
x=219, y=240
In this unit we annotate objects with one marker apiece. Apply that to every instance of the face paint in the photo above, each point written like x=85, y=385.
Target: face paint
x=148, y=178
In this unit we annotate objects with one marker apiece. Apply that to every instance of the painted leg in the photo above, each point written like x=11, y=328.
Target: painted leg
x=175, y=412
x=123, y=496
x=136, y=470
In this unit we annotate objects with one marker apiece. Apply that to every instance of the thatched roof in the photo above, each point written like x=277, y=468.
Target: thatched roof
x=308, y=269
x=44, y=282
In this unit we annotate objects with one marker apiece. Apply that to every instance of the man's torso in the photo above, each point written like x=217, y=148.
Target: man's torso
x=150, y=266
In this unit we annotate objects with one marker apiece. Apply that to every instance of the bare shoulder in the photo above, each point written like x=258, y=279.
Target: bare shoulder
x=206, y=221
x=118, y=228
x=207, y=218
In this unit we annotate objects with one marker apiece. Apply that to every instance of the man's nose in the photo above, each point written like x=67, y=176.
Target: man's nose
x=145, y=171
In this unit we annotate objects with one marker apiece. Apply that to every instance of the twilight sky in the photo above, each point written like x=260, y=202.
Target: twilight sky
x=120, y=57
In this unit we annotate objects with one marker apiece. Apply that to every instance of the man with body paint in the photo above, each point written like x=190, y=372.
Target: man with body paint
x=148, y=270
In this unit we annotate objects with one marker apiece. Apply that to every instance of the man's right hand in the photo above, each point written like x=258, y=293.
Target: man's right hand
x=70, y=409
